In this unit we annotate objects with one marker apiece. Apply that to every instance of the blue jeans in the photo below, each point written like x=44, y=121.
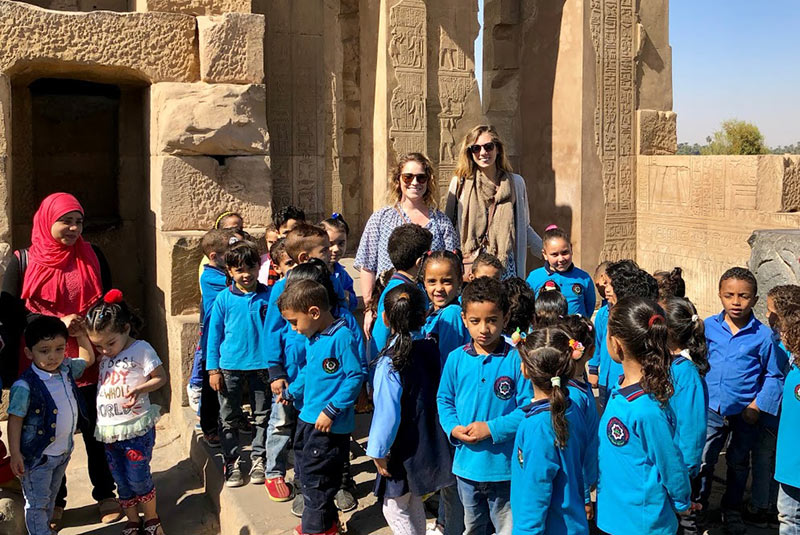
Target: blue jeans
x=764, y=488
x=789, y=510
x=280, y=430
x=484, y=501
x=743, y=438
x=129, y=461
x=230, y=411
x=40, y=485
x=196, y=379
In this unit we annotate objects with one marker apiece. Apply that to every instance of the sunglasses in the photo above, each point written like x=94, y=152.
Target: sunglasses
x=408, y=178
x=488, y=147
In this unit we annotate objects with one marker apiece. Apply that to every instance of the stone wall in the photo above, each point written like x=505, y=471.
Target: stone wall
x=698, y=212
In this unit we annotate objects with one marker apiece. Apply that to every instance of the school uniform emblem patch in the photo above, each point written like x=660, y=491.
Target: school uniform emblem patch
x=504, y=387
x=263, y=312
x=797, y=392
x=577, y=289
x=617, y=432
x=519, y=456
x=330, y=365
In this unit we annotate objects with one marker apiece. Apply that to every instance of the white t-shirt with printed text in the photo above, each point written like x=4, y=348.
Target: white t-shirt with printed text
x=117, y=376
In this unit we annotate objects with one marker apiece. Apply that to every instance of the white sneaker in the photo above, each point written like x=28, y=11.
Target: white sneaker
x=193, y=392
x=432, y=529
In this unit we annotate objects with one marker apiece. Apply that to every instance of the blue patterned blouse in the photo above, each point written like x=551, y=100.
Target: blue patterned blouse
x=373, y=250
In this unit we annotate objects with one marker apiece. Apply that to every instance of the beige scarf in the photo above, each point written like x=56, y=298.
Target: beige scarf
x=486, y=205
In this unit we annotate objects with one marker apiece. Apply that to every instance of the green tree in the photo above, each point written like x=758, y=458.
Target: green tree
x=736, y=137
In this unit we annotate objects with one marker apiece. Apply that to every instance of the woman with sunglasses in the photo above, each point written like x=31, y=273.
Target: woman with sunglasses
x=488, y=204
x=412, y=199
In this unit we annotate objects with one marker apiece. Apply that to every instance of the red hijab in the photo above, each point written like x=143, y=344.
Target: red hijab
x=59, y=279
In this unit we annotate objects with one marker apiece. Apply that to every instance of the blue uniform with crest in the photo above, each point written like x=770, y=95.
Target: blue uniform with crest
x=689, y=404
x=447, y=328
x=576, y=286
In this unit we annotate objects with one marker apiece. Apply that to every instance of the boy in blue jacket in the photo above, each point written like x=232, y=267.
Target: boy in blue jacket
x=236, y=356
x=743, y=382
x=328, y=386
x=480, y=401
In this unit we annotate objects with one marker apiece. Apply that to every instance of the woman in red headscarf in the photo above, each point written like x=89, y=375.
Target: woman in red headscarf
x=61, y=274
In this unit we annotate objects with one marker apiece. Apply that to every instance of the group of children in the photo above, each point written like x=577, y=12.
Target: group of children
x=482, y=389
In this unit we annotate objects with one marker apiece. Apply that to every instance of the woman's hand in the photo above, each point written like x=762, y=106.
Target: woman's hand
x=75, y=324
x=369, y=319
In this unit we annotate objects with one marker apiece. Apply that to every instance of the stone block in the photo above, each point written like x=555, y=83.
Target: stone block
x=790, y=194
x=152, y=47
x=204, y=119
x=12, y=512
x=775, y=260
x=231, y=48
x=196, y=7
x=182, y=335
x=658, y=132
x=188, y=192
x=179, y=256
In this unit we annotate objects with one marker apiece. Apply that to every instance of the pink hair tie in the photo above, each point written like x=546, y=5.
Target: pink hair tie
x=551, y=227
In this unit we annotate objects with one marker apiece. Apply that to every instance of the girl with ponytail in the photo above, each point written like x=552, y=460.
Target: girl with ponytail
x=409, y=448
x=637, y=430
x=547, y=490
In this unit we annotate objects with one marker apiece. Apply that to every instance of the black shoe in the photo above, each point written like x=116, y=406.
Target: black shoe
x=298, y=505
x=732, y=522
x=772, y=518
x=345, y=501
x=233, y=475
x=755, y=516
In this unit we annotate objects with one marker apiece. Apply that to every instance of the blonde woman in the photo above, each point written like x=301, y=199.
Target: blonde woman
x=412, y=199
x=488, y=204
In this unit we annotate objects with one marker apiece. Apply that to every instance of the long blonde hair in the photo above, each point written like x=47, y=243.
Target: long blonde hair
x=466, y=166
x=394, y=192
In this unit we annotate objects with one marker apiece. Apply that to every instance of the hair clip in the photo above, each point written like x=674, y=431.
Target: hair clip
x=695, y=317
x=550, y=286
x=555, y=381
x=551, y=227
x=576, y=346
x=654, y=319
x=336, y=215
x=112, y=297
x=232, y=240
x=518, y=336
x=428, y=252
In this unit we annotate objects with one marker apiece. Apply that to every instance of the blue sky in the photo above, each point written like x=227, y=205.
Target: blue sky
x=736, y=59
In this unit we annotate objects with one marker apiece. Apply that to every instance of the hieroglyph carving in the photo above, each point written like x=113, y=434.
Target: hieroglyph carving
x=407, y=50
x=613, y=24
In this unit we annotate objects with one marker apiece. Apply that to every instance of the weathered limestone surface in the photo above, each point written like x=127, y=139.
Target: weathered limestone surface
x=154, y=47
x=775, y=260
x=182, y=334
x=208, y=119
x=698, y=212
x=231, y=48
x=12, y=512
x=188, y=192
x=82, y=5
x=658, y=132
x=5, y=157
x=179, y=255
x=196, y=7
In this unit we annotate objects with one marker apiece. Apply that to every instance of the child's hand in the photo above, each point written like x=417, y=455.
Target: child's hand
x=479, y=431
x=17, y=464
x=589, y=511
x=459, y=432
x=323, y=423
x=751, y=413
x=278, y=386
x=692, y=508
x=382, y=466
x=216, y=382
x=133, y=397
x=593, y=380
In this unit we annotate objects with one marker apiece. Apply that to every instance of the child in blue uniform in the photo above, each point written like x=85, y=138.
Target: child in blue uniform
x=236, y=356
x=327, y=386
x=480, y=401
x=442, y=276
x=406, y=443
x=744, y=380
x=576, y=285
x=787, y=461
x=407, y=245
x=338, y=230
x=547, y=487
x=486, y=265
x=643, y=479
x=600, y=281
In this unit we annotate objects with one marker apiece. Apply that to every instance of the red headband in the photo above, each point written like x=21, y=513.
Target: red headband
x=653, y=319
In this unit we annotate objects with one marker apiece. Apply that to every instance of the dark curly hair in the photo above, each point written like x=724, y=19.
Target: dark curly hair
x=405, y=313
x=286, y=213
x=641, y=327
x=670, y=283
x=686, y=330
x=485, y=290
x=521, y=300
x=550, y=308
x=741, y=274
x=784, y=297
x=790, y=332
x=627, y=279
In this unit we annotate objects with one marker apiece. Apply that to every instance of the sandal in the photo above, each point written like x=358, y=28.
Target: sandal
x=110, y=511
x=153, y=527
x=131, y=528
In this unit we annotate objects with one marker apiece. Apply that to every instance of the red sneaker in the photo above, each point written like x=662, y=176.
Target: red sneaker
x=277, y=489
x=333, y=530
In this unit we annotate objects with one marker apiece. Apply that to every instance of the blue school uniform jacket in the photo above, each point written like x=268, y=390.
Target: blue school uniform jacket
x=380, y=332
x=689, y=403
x=346, y=283
x=331, y=379
x=744, y=367
x=546, y=480
x=601, y=364
x=235, y=331
x=212, y=281
x=447, y=328
x=576, y=286
x=483, y=388
x=787, y=461
x=642, y=475
x=580, y=394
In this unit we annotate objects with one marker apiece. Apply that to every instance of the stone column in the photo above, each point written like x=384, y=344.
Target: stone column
x=5, y=170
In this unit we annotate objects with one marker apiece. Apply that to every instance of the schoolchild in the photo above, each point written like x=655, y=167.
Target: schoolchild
x=283, y=262
x=236, y=355
x=547, y=486
x=744, y=382
x=225, y=221
x=287, y=218
x=406, y=443
x=787, y=462
x=338, y=230
x=43, y=412
x=441, y=274
x=480, y=401
x=126, y=420
x=407, y=245
x=268, y=275
x=600, y=281
x=486, y=265
x=327, y=386
x=576, y=285
x=642, y=476
x=551, y=306
x=670, y=284
x=521, y=301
